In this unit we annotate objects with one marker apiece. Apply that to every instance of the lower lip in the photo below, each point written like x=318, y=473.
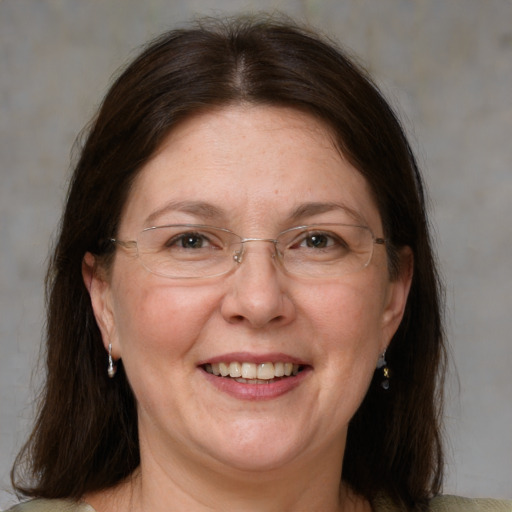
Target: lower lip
x=254, y=392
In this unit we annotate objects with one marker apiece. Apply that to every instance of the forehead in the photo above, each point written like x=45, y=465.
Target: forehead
x=246, y=162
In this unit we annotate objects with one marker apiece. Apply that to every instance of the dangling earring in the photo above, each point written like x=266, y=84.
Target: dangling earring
x=381, y=363
x=112, y=367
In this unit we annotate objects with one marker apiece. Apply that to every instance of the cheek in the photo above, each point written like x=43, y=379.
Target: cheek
x=153, y=321
x=346, y=310
x=347, y=320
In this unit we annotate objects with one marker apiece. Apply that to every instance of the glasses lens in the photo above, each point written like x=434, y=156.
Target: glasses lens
x=325, y=250
x=187, y=251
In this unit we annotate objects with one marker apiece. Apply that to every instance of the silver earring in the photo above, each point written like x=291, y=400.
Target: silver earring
x=112, y=367
x=382, y=363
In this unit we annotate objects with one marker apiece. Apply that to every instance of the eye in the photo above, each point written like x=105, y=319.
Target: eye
x=317, y=241
x=320, y=240
x=191, y=240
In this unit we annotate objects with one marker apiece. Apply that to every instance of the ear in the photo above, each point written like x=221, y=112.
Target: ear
x=396, y=299
x=97, y=283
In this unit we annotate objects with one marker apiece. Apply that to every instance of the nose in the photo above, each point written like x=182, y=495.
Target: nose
x=257, y=293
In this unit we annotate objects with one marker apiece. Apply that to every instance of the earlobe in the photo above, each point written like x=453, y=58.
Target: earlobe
x=398, y=294
x=98, y=286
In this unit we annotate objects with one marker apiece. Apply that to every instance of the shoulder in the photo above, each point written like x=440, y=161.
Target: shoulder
x=41, y=505
x=456, y=503
x=450, y=504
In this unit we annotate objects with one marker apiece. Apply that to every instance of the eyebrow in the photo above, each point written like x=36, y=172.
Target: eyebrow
x=314, y=208
x=197, y=208
x=210, y=212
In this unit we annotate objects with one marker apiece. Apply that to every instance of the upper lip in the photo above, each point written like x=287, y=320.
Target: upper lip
x=250, y=357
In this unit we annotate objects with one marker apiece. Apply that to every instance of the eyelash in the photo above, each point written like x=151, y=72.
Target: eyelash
x=182, y=237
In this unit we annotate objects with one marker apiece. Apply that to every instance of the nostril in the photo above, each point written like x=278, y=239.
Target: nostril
x=277, y=319
x=236, y=319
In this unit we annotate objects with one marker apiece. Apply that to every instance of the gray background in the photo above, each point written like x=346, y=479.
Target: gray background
x=445, y=64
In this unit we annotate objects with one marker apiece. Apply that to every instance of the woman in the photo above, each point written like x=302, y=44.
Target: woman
x=243, y=307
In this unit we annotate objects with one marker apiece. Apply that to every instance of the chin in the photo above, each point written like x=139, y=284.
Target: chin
x=258, y=447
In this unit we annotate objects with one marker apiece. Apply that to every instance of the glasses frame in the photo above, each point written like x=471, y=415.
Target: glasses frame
x=238, y=255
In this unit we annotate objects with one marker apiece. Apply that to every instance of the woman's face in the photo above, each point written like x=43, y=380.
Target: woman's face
x=256, y=171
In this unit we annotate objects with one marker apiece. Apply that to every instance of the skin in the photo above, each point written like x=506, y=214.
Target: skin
x=202, y=448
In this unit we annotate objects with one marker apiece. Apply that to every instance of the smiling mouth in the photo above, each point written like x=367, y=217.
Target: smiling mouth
x=252, y=373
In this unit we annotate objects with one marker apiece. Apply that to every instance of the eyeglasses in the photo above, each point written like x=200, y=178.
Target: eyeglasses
x=193, y=251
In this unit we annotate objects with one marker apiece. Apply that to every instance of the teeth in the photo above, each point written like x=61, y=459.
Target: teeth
x=265, y=371
x=235, y=370
x=224, y=369
x=252, y=373
x=253, y=381
x=278, y=369
x=249, y=370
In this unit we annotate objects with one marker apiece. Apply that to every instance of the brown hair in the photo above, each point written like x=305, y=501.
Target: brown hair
x=85, y=436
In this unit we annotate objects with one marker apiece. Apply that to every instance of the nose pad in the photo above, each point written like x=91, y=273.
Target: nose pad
x=238, y=254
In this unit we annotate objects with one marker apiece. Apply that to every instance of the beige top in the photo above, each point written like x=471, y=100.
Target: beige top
x=439, y=504
x=453, y=504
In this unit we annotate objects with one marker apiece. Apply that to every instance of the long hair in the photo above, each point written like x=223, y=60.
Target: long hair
x=85, y=437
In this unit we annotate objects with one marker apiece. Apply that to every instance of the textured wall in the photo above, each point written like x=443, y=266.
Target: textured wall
x=448, y=64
